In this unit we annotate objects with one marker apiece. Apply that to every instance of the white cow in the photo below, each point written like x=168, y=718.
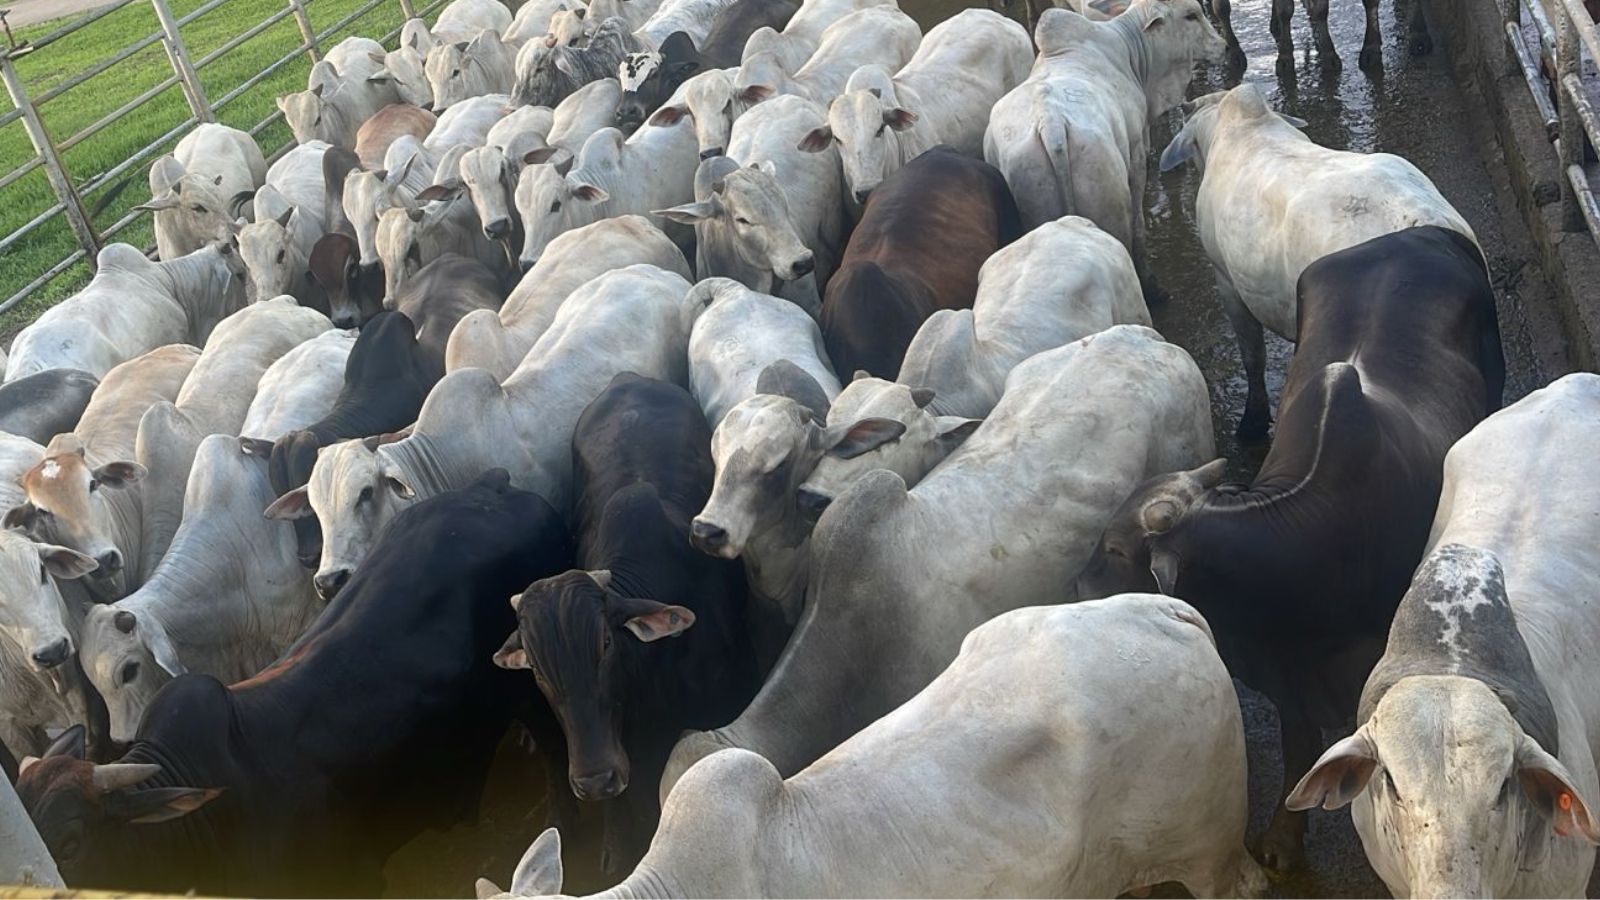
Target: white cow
x=1271, y=202
x=130, y=307
x=469, y=17
x=942, y=96
x=532, y=19
x=692, y=17
x=467, y=123
x=484, y=65
x=410, y=238
x=1073, y=138
x=875, y=36
x=1482, y=714
x=341, y=93
x=368, y=194
x=88, y=480
x=1082, y=750
x=710, y=101
x=498, y=341
x=195, y=191
x=300, y=387
x=633, y=13
x=407, y=70
x=635, y=319
x=895, y=586
x=781, y=217
x=227, y=599
x=739, y=334
x=290, y=212
x=653, y=169
x=1059, y=282
x=39, y=687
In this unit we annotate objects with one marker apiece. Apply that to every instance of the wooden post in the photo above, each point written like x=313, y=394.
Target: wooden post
x=409, y=9
x=178, y=55
x=1572, y=135
x=24, y=860
x=306, y=31
x=54, y=169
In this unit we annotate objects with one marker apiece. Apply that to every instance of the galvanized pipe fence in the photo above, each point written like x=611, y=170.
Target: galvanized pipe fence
x=1555, y=46
x=72, y=198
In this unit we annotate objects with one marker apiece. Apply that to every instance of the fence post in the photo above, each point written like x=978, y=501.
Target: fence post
x=54, y=169
x=1572, y=132
x=306, y=31
x=408, y=9
x=178, y=55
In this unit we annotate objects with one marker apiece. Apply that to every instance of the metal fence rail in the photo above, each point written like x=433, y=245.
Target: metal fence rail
x=1554, y=46
x=72, y=198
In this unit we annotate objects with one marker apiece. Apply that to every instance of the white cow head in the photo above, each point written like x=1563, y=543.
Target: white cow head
x=880, y=425
x=270, y=256
x=406, y=69
x=447, y=75
x=33, y=617
x=1173, y=36
x=861, y=122
x=353, y=498
x=366, y=196
x=709, y=99
x=129, y=658
x=399, y=243
x=491, y=182
x=1205, y=116
x=312, y=117
x=188, y=206
x=566, y=27
x=552, y=200
x=1453, y=796
x=68, y=504
x=749, y=206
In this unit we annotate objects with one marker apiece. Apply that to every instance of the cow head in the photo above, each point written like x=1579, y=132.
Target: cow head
x=128, y=658
x=862, y=122
x=649, y=79
x=271, y=256
x=310, y=116
x=750, y=206
x=578, y=636
x=551, y=201
x=84, y=812
x=709, y=99
x=1205, y=116
x=566, y=27
x=353, y=497
x=879, y=424
x=366, y=196
x=406, y=69
x=190, y=205
x=445, y=66
x=764, y=448
x=1138, y=553
x=353, y=292
x=491, y=183
x=33, y=617
x=69, y=503
x=1177, y=34
x=399, y=241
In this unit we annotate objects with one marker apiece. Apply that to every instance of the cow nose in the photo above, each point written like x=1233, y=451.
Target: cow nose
x=714, y=151
x=497, y=229
x=706, y=537
x=861, y=195
x=344, y=322
x=812, y=503
x=599, y=785
x=526, y=264
x=803, y=267
x=110, y=562
x=329, y=583
x=53, y=655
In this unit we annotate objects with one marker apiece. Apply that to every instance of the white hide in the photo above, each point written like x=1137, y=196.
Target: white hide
x=468, y=17
x=300, y=387
x=193, y=192
x=132, y=306
x=532, y=19
x=457, y=72
x=35, y=619
x=739, y=334
x=692, y=17
x=875, y=36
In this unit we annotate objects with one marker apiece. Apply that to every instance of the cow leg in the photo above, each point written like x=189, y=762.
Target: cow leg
x=1253, y=355
x=1372, y=44
x=1421, y=42
x=1282, y=13
x=1317, y=12
x=1283, y=847
x=1224, y=12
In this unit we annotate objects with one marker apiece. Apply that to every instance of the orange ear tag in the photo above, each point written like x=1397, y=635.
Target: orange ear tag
x=1565, y=802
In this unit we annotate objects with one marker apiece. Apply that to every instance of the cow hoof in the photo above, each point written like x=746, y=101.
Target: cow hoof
x=1421, y=45
x=1253, y=428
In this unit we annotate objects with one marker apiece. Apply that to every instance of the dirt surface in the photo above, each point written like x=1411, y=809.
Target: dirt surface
x=32, y=12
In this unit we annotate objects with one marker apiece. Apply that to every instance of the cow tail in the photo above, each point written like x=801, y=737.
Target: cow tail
x=1050, y=130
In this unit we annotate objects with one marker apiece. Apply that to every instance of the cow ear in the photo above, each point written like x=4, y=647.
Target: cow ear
x=21, y=517
x=1338, y=777
x=954, y=431
x=1156, y=23
x=864, y=436
x=539, y=872
x=1549, y=788
x=816, y=140
x=650, y=621
x=65, y=563
x=899, y=119
x=163, y=804
x=292, y=505
x=590, y=193
x=72, y=743
x=755, y=93
x=1164, y=567
x=439, y=192
x=1296, y=121
x=539, y=155
x=669, y=115
x=1181, y=150
x=155, y=637
x=600, y=577
x=257, y=447
x=922, y=396
x=120, y=474
x=511, y=655
x=399, y=487
x=689, y=213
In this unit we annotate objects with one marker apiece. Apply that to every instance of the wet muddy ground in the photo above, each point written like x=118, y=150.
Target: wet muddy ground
x=1413, y=109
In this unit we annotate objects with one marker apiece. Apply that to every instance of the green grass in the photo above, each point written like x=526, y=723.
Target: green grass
x=82, y=105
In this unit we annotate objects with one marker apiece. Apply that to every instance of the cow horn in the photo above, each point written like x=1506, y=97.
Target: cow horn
x=116, y=776
x=601, y=577
x=1159, y=516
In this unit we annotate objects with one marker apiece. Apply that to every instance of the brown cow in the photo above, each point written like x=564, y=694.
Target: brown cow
x=385, y=126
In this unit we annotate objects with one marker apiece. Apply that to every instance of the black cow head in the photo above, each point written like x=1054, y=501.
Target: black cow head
x=650, y=79
x=89, y=814
x=1138, y=552
x=581, y=639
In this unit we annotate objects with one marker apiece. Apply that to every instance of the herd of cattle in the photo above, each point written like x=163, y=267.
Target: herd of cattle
x=889, y=557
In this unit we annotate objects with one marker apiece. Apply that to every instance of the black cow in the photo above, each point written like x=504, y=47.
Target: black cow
x=1299, y=572
x=724, y=44
x=650, y=78
x=355, y=292
x=45, y=404
x=923, y=236
x=378, y=723
x=597, y=639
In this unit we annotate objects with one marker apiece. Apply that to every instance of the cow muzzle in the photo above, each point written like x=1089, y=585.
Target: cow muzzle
x=707, y=154
x=52, y=655
x=602, y=785
x=710, y=539
x=497, y=229
x=802, y=267
x=328, y=584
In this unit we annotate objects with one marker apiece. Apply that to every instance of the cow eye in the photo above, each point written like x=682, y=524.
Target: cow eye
x=280, y=255
x=365, y=496
x=1388, y=782
x=1114, y=550
x=94, y=485
x=555, y=206
x=882, y=127
x=1505, y=792
x=198, y=208
x=456, y=74
x=130, y=671
x=743, y=221
x=1193, y=17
